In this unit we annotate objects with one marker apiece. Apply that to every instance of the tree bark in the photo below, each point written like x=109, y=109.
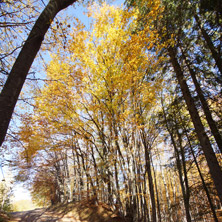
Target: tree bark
x=203, y=181
x=185, y=192
x=205, y=106
x=150, y=177
x=210, y=156
x=210, y=44
x=157, y=193
x=198, y=168
x=186, y=185
x=18, y=74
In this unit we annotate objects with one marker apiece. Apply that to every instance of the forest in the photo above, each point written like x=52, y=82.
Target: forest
x=123, y=107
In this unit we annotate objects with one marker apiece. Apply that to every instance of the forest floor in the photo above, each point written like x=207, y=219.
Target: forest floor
x=71, y=212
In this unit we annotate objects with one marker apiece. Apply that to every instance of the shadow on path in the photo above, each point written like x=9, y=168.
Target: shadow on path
x=37, y=215
x=84, y=211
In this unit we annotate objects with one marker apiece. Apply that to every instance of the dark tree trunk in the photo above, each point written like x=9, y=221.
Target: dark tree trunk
x=18, y=74
x=210, y=156
x=210, y=45
x=150, y=178
x=157, y=194
x=202, y=180
x=205, y=107
x=198, y=169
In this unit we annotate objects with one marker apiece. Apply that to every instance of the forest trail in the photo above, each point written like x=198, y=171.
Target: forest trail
x=89, y=214
x=41, y=214
x=82, y=212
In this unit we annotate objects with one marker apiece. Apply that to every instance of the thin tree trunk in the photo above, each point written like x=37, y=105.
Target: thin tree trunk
x=204, y=184
x=80, y=180
x=182, y=154
x=146, y=209
x=200, y=174
x=88, y=176
x=210, y=156
x=157, y=194
x=150, y=178
x=178, y=164
x=117, y=182
x=187, y=190
x=168, y=200
x=20, y=69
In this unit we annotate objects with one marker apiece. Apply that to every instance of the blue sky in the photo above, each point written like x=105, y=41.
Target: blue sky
x=79, y=10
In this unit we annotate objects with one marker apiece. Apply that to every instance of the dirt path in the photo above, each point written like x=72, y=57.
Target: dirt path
x=82, y=212
x=38, y=215
x=83, y=215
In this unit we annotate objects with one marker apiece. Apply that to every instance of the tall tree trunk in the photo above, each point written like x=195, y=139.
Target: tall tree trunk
x=150, y=178
x=183, y=162
x=167, y=214
x=210, y=44
x=96, y=195
x=199, y=171
x=168, y=200
x=88, y=176
x=80, y=177
x=205, y=106
x=187, y=189
x=146, y=210
x=118, y=202
x=18, y=74
x=203, y=182
x=179, y=168
x=157, y=194
x=210, y=156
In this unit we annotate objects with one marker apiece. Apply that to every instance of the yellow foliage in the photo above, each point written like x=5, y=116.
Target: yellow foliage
x=104, y=74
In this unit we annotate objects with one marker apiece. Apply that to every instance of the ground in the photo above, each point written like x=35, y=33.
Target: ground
x=72, y=212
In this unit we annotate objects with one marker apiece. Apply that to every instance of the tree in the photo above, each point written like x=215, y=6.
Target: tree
x=15, y=16
x=96, y=129
x=18, y=74
x=5, y=196
x=171, y=30
x=95, y=98
x=202, y=136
